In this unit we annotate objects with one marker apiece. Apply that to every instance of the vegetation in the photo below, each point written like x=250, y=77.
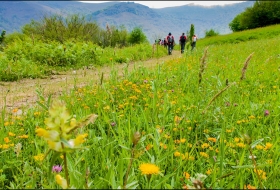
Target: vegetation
x=244, y=36
x=210, y=33
x=156, y=129
x=263, y=13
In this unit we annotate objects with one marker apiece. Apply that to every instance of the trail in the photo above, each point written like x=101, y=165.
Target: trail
x=23, y=93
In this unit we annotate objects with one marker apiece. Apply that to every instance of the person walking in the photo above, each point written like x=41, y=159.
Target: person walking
x=194, y=39
x=170, y=43
x=182, y=42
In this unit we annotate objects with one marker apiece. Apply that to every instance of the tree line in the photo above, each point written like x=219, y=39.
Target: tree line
x=262, y=13
x=77, y=28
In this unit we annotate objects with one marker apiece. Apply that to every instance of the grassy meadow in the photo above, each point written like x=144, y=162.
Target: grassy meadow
x=209, y=119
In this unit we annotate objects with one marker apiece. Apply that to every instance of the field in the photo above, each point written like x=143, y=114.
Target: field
x=207, y=119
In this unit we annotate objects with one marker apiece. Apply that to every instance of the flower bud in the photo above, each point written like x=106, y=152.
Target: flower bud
x=136, y=138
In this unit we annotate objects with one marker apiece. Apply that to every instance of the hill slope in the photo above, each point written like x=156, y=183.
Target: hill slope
x=156, y=23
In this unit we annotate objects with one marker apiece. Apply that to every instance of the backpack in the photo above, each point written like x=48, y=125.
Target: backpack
x=170, y=39
x=183, y=39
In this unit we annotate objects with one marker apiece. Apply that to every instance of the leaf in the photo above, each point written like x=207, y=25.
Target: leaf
x=256, y=142
x=53, y=159
x=87, y=120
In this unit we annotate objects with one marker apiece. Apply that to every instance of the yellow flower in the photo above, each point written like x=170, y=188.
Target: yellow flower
x=148, y=169
x=268, y=146
x=11, y=134
x=209, y=171
x=7, y=140
x=212, y=139
x=241, y=145
x=187, y=175
x=261, y=173
x=177, y=154
x=205, y=145
x=204, y=154
x=259, y=147
x=61, y=181
x=39, y=157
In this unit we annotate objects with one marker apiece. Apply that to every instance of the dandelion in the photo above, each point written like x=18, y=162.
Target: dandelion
x=187, y=175
x=212, y=139
x=205, y=145
x=241, y=145
x=7, y=140
x=148, y=169
x=209, y=171
x=204, y=154
x=259, y=147
x=267, y=146
x=11, y=134
x=177, y=154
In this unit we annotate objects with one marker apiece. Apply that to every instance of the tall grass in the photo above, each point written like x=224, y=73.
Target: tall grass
x=165, y=106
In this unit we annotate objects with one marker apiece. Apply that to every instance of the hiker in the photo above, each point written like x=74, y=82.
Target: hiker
x=159, y=41
x=182, y=42
x=194, y=38
x=165, y=43
x=170, y=43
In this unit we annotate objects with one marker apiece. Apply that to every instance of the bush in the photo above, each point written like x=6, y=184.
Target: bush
x=210, y=33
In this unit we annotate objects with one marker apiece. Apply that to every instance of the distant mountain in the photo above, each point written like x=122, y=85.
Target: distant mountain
x=15, y=14
x=156, y=23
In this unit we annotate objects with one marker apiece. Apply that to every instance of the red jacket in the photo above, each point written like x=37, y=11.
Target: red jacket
x=168, y=38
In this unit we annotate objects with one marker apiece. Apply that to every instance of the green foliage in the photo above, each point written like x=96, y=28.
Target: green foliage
x=137, y=36
x=263, y=13
x=2, y=37
x=237, y=37
x=192, y=32
x=26, y=58
x=211, y=32
x=76, y=29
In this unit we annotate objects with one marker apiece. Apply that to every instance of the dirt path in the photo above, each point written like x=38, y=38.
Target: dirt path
x=23, y=93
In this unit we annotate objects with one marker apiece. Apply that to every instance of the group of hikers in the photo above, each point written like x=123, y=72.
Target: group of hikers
x=169, y=42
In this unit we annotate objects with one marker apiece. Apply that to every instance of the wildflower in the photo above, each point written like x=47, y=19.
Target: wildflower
x=39, y=157
x=236, y=139
x=149, y=146
x=212, y=139
x=11, y=134
x=266, y=113
x=7, y=140
x=249, y=187
x=267, y=146
x=56, y=168
x=261, y=173
x=259, y=147
x=61, y=181
x=177, y=154
x=209, y=171
x=187, y=175
x=204, y=154
x=148, y=169
x=183, y=140
x=59, y=125
x=205, y=145
x=240, y=145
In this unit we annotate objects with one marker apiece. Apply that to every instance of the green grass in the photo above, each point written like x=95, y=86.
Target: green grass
x=167, y=106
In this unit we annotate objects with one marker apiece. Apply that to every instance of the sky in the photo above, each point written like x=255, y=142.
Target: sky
x=162, y=4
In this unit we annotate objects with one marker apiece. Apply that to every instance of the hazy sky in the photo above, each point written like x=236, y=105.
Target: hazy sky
x=162, y=4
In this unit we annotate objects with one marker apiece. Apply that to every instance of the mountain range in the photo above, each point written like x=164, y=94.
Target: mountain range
x=156, y=23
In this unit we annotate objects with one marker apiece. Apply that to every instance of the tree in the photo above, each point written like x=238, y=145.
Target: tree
x=191, y=32
x=137, y=36
x=2, y=37
x=262, y=13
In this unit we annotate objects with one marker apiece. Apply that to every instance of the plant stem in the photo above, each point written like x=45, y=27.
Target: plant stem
x=129, y=166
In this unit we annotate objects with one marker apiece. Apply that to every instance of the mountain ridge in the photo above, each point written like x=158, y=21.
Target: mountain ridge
x=155, y=22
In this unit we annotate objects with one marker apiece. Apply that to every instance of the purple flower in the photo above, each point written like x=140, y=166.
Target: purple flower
x=266, y=113
x=56, y=168
x=113, y=124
